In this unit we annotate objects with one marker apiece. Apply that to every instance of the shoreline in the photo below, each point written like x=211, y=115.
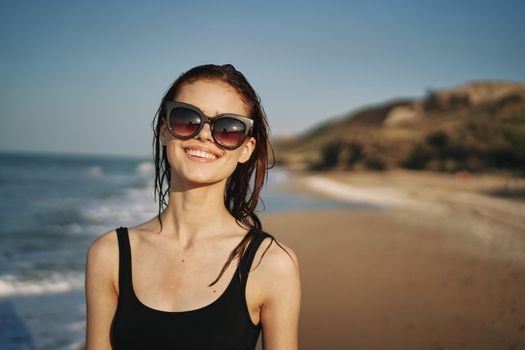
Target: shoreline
x=399, y=186
x=460, y=204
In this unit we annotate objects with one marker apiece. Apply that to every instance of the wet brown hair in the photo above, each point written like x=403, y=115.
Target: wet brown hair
x=242, y=190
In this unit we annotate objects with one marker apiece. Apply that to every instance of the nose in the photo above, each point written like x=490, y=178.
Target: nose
x=205, y=133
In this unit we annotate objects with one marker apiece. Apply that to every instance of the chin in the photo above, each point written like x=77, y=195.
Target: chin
x=200, y=177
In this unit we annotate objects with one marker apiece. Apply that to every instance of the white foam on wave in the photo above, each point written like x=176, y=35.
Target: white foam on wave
x=77, y=229
x=78, y=345
x=94, y=171
x=76, y=326
x=145, y=168
x=134, y=207
x=55, y=283
x=118, y=213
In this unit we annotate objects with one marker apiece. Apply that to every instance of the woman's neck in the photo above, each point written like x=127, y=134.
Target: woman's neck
x=195, y=212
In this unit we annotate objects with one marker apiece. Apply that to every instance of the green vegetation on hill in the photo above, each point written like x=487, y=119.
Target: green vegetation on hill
x=476, y=127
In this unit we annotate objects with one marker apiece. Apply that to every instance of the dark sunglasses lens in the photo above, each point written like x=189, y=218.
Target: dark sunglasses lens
x=184, y=122
x=229, y=132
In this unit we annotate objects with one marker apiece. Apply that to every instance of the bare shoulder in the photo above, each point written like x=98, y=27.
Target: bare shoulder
x=277, y=281
x=104, y=248
x=102, y=260
x=101, y=289
x=276, y=260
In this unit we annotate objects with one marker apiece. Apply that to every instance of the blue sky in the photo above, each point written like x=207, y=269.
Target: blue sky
x=87, y=77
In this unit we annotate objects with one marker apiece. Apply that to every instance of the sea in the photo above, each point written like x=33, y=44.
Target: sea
x=52, y=207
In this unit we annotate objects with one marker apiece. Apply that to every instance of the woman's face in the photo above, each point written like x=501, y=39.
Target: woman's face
x=212, y=97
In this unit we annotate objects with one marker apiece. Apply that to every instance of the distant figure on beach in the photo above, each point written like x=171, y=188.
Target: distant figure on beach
x=202, y=274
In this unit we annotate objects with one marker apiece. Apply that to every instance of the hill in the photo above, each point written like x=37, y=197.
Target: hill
x=477, y=127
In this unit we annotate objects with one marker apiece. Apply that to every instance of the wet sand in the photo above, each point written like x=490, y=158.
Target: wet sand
x=441, y=267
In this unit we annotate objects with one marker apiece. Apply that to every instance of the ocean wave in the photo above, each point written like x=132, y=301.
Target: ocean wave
x=145, y=168
x=94, y=171
x=56, y=283
x=135, y=206
x=76, y=228
x=78, y=345
x=111, y=213
x=76, y=326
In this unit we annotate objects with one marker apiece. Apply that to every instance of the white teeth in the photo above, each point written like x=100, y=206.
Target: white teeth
x=200, y=154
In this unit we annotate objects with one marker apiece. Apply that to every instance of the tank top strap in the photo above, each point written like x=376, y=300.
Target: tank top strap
x=124, y=274
x=249, y=254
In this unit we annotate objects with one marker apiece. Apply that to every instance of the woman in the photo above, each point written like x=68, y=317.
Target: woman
x=201, y=274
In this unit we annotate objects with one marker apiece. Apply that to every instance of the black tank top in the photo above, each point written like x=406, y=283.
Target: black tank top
x=223, y=324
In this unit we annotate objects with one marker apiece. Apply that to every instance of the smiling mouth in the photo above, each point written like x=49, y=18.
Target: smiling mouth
x=200, y=154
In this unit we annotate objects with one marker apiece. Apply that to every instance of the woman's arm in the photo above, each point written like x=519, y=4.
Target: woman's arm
x=280, y=310
x=101, y=296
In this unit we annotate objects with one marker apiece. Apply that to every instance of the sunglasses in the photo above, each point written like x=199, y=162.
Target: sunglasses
x=185, y=121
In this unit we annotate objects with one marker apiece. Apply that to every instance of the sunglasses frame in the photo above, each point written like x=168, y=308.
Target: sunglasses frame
x=170, y=105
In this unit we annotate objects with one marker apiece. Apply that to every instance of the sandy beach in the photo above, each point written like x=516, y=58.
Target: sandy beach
x=440, y=265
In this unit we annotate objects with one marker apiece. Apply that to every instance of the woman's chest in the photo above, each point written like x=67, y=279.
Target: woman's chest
x=173, y=285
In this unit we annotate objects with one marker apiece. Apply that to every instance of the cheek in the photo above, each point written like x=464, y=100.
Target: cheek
x=232, y=162
x=175, y=155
